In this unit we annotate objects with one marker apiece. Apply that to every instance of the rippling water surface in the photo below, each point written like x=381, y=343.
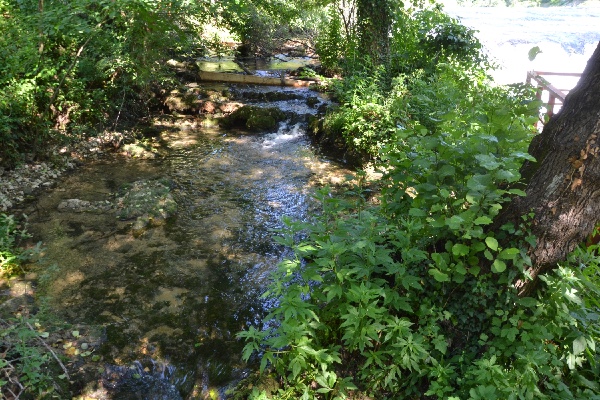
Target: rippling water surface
x=178, y=293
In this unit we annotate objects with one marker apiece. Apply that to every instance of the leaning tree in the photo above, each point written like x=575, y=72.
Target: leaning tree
x=563, y=185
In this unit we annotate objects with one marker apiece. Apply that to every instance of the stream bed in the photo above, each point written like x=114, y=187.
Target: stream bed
x=167, y=295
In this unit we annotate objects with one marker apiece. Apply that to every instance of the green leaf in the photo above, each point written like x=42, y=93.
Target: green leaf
x=417, y=212
x=570, y=294
x=509, y=254
x=507, y=175
x=474, y=184
x=460, y=249
x=488, y=161
x=528, y=302
x=521, y=154
x=439, y=275
x=263, y=364
x=579, y=345
x=491, y=242
x=447, y=170
x=518, y=192
x=533, y=52
x=498, y=266
x=488, y=254
x=454, y=222
x=483, y=220
x=460, y=268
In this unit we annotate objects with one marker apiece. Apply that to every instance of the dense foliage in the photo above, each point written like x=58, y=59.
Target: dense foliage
x=24, y=365
x=12, y=255
x=68, y=67
x=411, y=295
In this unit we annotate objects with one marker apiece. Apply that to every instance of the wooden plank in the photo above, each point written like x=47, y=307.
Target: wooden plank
x=558, y=73
x=250, y=79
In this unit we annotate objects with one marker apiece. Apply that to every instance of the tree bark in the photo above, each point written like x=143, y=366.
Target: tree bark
x=563, y=189
x=374, y=22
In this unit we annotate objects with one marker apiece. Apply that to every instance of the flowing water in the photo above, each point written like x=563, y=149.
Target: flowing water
x=169, y=298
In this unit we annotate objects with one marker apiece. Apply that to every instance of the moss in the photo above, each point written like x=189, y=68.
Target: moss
x=254, y=118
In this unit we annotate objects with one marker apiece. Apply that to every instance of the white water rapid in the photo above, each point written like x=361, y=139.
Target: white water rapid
x=567, y=37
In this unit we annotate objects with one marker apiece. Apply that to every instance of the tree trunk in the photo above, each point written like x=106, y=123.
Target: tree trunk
x=563, y=188
x=374, y=21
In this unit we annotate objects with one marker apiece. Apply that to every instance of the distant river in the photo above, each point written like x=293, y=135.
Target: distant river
x=567, y=37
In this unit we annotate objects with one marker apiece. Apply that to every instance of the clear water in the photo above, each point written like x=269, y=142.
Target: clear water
x=178, y=293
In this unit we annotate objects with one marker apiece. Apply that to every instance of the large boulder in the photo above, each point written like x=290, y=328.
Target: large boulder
x=254, y=118
x=150, y=203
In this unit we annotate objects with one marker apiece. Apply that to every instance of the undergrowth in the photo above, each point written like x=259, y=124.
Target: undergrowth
x=412, y=296
x=26, y=366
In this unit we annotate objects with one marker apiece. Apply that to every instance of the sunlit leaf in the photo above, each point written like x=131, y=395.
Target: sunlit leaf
x=498, y=266
x=491, y=242
x=439, y=275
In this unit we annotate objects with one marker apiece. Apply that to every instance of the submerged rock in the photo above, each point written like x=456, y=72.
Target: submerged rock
x=150, y=203
x=80, y=206
x=152, y=199
x=136, y=382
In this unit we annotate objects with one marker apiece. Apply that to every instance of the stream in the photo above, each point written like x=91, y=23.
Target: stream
x=165, y=300
x=160, y=298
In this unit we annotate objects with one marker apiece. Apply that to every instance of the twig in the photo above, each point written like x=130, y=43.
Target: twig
x=119, y=114
x=51, y=351
x=13, y=393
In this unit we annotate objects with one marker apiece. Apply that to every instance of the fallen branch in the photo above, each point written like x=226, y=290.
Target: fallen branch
x=50, y=350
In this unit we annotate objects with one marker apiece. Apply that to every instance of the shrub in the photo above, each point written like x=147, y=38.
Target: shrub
x=411, y=297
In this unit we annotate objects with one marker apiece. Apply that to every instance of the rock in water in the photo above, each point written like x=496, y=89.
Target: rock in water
x=136, y=383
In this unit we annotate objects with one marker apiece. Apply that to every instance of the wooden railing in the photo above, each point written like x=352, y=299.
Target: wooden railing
x=556, y=96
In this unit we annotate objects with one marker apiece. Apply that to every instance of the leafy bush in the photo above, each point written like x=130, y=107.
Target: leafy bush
x=412, y=297
x=79, y=63
x=26, y=365
x=331, y=43
x=23, y=366
x=429, y=50
x=11, y=254
x=385, y=305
